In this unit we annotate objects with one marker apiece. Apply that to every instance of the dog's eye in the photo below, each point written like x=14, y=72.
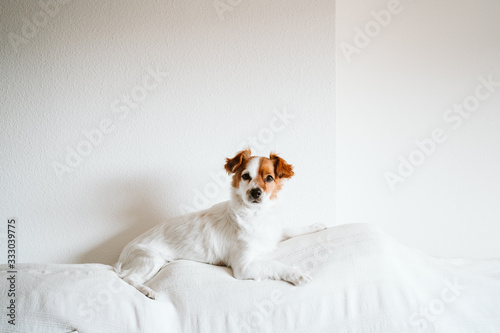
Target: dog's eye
x=269, y=179
x=246, y=176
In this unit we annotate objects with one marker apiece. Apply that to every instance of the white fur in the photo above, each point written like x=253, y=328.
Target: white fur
x=236, y=233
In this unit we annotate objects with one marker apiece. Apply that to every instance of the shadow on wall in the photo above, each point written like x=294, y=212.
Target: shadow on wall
x=135, y=205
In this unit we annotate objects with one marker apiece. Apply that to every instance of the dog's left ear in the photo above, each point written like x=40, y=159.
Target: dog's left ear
x=232, y=164
x=281, y=168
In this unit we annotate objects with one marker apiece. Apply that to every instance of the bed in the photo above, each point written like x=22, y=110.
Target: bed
x=364, y=282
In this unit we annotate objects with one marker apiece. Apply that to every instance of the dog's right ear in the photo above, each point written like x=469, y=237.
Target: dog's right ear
x=232, y=164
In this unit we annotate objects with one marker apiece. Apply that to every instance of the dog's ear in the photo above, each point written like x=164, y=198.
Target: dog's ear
x=232, y=164
x=281, y=168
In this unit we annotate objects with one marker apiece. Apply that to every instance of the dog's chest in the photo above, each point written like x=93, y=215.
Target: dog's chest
x=260, y=239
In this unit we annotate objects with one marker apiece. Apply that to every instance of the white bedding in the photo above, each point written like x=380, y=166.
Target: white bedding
x=363, y=282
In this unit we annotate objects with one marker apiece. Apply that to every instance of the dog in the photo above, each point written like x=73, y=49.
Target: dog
x=236, y=233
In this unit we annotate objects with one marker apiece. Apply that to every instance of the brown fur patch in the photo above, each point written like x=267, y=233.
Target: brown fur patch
x=266, y=168
x=237, y=174
x=278, y=169
x=282, y=168
x=232, y=164
x=237, y=164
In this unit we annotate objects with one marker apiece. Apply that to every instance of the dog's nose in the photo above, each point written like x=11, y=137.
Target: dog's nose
x=255, y=193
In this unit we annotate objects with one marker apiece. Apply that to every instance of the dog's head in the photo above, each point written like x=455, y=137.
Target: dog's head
x=257, y=180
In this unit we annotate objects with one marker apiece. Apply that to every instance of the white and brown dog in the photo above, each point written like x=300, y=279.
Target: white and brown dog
x=236, y=233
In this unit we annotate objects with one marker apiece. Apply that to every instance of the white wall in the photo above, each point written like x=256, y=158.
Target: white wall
x=73, y=71
x=397, y=86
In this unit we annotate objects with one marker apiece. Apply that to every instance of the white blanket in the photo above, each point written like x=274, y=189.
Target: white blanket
x=364, y=282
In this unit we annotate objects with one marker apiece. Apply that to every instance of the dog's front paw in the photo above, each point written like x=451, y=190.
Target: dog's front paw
x=297, y=277
x=150, y=293
x=318, y=227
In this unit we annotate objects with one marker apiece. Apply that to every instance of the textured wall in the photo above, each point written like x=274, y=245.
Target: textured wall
x=116, y=115
x=418, y=150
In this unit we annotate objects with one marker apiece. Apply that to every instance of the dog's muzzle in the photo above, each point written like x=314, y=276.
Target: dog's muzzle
x=255, y=195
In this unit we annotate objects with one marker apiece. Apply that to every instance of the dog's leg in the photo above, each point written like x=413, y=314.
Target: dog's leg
x=261, y=270
x=138, y=283
x=294, y=232
x=141, y=270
